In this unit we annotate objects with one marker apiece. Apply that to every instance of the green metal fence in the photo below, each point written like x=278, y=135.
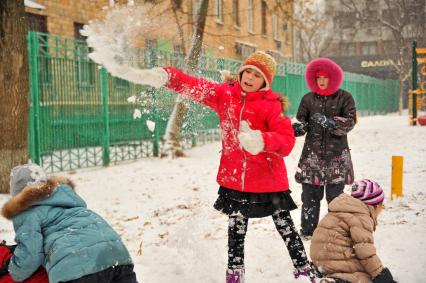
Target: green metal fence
x=80, y=116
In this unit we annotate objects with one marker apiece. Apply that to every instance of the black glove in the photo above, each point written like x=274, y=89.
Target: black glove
x=298, y=129
x=325, y=122
x=384, y=277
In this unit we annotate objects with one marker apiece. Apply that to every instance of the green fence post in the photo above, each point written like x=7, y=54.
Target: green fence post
x=106, y=134
x=34, y=99
x=414, y=75
x=153, y=62
x=156, y=145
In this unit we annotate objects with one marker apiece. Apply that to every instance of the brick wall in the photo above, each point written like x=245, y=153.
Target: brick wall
x=61, y=14
x=220, y=37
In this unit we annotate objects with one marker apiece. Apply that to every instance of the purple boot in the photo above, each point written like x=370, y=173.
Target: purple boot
x=235, y=275
x=305, y=270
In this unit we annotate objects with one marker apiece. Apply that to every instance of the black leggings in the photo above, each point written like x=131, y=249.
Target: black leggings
x=311, y=199
x=237, y=229
x=114, y=274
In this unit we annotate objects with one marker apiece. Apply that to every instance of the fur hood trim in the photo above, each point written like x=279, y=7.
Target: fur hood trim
x=330, y=67
x=32, y=194
x=285, y=102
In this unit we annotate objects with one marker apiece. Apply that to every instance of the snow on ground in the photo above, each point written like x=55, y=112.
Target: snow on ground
x=163, y=209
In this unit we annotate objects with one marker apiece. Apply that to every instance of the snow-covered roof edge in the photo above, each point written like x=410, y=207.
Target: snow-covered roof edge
x=32, y=4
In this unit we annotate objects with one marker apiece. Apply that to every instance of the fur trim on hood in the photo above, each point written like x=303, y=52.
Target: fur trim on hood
x=32, y=194
x=285, y=102
x=325, y=65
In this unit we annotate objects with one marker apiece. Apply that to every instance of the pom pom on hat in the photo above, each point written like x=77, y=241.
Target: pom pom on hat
x=263, y=63
x=368, y=192
x=26, y=175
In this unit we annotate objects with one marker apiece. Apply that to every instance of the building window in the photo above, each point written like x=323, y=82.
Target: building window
x=77, y=34
x=286, y=31
x=36, y=22
x=178, y=49
x=371, y=19
x=347, y=20
x=236, y=13
x=390, y=47
x=250, y=16
x=151, y=43
x=219, y=11
x=275, y=26
x=369, y=48
x=390, y=15
x=348, y=49
x=278, y=56
x=243, y=50
x=195, y=6
x=264, y=9
x=85, y=69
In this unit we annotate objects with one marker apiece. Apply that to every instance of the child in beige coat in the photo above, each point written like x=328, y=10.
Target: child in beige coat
x=342, y=246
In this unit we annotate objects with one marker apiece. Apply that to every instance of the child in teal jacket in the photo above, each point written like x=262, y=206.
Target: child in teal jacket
x=54, y=229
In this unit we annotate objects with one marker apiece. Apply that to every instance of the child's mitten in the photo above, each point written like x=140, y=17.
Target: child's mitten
x=250, y=140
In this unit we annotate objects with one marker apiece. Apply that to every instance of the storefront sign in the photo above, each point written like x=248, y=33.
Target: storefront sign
x=376, y=63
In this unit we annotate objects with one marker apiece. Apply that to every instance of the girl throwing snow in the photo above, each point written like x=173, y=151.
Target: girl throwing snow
x=256, y=136
x=326, y=115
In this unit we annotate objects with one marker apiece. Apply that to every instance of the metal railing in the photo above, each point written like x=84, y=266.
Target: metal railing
x=80, y=116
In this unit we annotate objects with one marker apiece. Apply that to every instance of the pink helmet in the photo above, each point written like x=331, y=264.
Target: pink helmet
x=368, y=192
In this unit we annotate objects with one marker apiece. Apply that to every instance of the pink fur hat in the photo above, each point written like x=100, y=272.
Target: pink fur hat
x=324, y=66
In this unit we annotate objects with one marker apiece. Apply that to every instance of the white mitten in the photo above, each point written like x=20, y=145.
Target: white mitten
x=250, y=140
x=155, y=77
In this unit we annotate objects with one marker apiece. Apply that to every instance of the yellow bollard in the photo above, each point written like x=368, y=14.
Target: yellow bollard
x=397, y=171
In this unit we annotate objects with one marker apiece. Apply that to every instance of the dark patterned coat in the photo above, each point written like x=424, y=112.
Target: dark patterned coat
x=326, y=157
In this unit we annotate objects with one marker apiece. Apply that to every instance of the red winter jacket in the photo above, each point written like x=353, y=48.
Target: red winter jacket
x=238, y=169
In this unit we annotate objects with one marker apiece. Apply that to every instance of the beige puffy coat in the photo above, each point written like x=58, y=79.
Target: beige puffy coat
x=342, y=245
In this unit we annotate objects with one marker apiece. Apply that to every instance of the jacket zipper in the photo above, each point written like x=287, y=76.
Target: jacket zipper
x=243, y=174
x=325, y=132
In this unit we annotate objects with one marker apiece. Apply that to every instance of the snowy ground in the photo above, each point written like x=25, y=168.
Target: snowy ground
x=163, y=210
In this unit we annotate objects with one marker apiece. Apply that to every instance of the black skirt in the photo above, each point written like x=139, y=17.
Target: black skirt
x=253, y=205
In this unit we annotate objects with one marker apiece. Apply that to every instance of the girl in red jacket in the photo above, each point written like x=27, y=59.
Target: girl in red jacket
x=256, y=136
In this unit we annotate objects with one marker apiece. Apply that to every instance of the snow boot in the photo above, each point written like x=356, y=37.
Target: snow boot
x=235, y=275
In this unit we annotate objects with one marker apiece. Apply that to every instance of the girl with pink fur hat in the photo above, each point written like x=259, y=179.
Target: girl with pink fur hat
x=325, y=115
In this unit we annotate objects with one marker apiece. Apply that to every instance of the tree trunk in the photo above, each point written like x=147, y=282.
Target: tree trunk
x=401, y=93
x=174, y=124
x=14, y=104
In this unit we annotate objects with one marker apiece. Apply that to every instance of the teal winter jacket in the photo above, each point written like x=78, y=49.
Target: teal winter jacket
x=55, y=229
